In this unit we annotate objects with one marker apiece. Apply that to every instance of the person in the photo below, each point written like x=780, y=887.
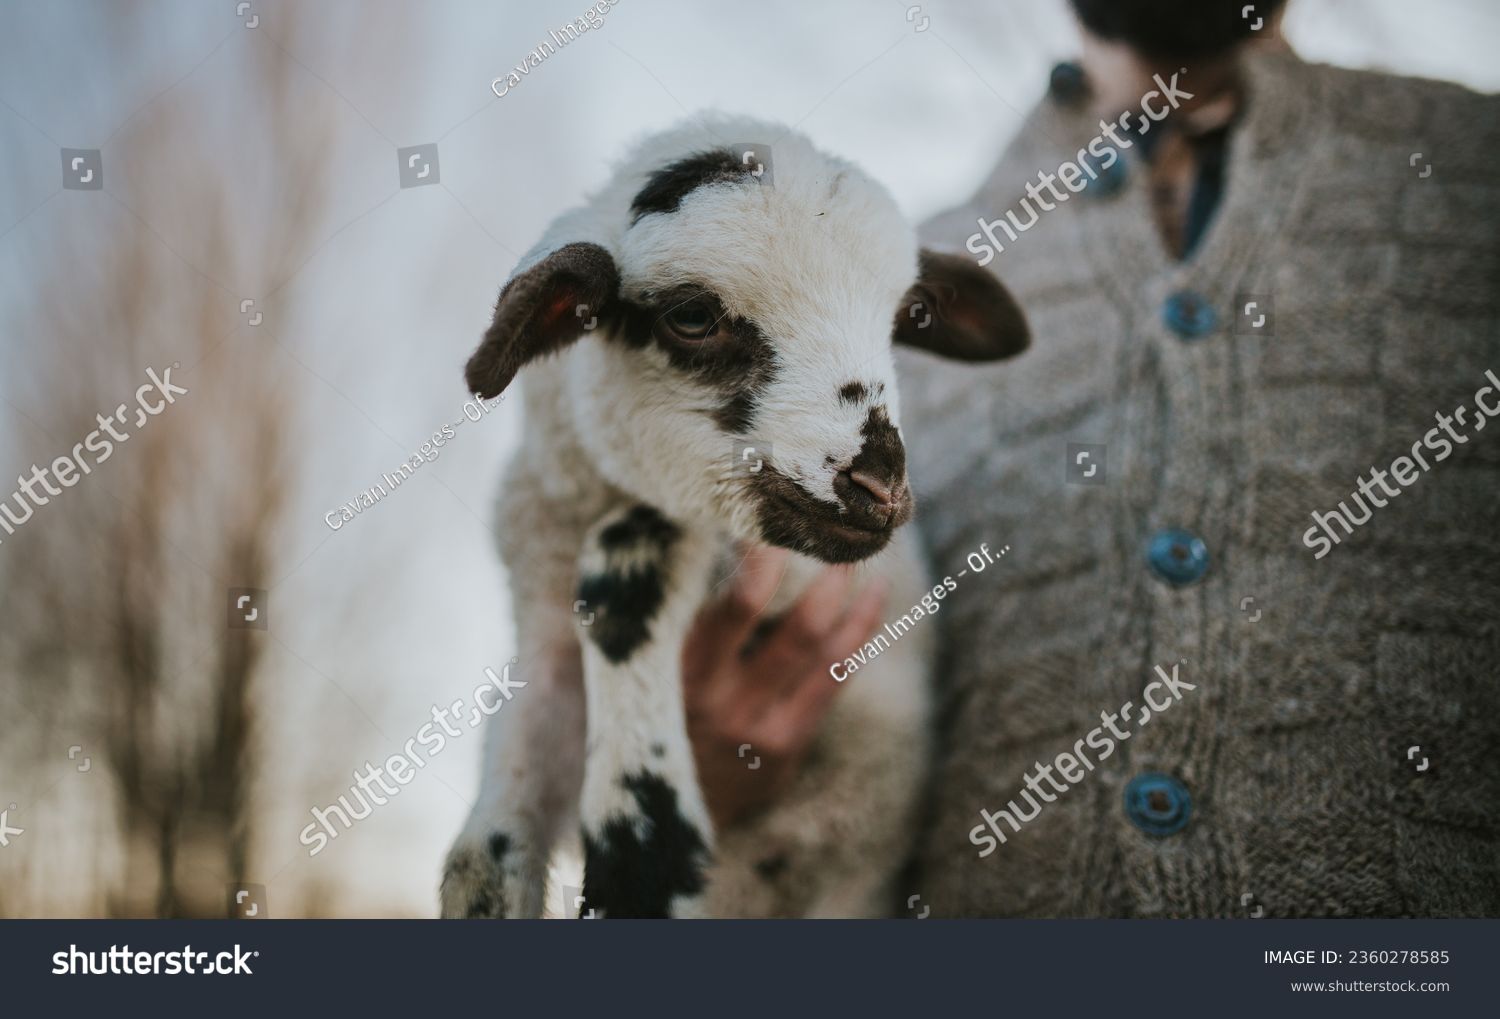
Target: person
x=1228, y=667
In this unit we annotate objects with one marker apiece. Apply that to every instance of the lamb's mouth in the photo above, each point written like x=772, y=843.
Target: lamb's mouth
x=791, y=518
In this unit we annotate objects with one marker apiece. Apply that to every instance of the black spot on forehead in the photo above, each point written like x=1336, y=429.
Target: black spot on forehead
x=855, y=392
x=666, y=188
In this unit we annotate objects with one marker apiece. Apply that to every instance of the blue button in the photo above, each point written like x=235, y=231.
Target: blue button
x=1067, y=83
x=1158, y=804
x=1179, y=557
x=1188, y=315
x=1110, y=178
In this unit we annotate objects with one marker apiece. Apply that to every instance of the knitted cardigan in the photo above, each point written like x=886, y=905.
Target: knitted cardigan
x=1291, y=758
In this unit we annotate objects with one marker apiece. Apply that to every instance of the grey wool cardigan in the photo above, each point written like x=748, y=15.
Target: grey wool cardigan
x=1330, y=742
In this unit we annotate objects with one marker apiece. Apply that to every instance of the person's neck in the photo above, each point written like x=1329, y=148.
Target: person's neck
x=1119, y=77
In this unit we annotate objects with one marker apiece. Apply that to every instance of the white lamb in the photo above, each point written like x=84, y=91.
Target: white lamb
x=723, y=313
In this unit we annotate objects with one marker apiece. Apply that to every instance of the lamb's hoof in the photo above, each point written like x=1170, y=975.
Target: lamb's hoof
x=473, y=883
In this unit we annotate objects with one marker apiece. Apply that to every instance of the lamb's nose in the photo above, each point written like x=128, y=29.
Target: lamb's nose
x=883, y=492
x=872, y=500
x=872, y=487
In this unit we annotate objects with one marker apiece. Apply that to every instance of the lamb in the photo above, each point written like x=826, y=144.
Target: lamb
x=720, y=318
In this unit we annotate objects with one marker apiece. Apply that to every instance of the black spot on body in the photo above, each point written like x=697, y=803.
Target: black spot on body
x=481, y=907
x=771, y=867
x=623, y=607
x=657, y=750
x=666, y=188
x=625, y=595
x=635, y=866
x=643, y=525
x=499, y=845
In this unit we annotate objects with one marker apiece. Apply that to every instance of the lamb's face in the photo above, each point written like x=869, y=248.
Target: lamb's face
x=747, y=374
x=736, y=367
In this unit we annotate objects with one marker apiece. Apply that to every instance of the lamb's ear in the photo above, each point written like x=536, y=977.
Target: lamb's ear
x=960, y=311
x=542, y=310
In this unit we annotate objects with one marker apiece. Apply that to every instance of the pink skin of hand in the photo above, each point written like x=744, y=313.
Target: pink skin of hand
x=771, y=692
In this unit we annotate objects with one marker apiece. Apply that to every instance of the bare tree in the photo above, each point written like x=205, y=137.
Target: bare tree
x=115, y=597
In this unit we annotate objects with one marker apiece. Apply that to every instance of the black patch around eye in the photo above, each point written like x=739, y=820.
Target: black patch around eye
x=666, y=188
x=737, y=363
x=736, y=415
x=743, y=379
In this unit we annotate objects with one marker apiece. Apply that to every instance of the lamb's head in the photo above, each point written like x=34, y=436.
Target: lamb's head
x=736, y=307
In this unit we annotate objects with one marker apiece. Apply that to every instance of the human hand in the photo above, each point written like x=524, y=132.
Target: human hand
x=750, y=680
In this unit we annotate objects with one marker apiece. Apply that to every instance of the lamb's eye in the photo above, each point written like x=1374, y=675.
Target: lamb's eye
x=692, y=321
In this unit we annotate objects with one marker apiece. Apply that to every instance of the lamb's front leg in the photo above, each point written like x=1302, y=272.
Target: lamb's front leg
x=529, y=788
x=646, y=834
